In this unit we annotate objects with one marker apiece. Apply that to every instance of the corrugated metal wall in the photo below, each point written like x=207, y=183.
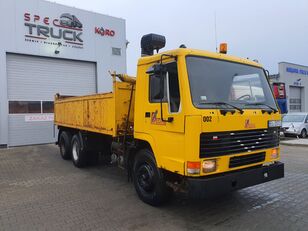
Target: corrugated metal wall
x=26, y=133
x=33, y=78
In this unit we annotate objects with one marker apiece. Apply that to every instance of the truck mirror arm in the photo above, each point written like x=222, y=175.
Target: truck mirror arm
x=169, y=119
x=267, y=73
x=166, y=55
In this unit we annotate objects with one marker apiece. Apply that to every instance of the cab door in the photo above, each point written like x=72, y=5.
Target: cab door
x=168, y=116
x=165, y=121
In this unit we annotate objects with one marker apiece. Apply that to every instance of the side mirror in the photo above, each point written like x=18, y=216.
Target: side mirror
x=158, y=70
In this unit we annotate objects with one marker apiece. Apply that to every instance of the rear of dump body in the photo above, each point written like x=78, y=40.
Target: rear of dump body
x=100, y=113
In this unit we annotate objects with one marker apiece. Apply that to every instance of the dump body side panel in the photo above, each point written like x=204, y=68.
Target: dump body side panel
x=101, y=113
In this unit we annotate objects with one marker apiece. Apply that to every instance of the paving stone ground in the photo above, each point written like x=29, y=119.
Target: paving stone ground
x=295, y=141
x=40, y=191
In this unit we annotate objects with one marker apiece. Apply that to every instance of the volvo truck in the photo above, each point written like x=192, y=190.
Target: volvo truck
x=194, y=121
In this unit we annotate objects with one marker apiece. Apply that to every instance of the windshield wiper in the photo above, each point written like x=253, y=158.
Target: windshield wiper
x=224, y=103
x=263, y=104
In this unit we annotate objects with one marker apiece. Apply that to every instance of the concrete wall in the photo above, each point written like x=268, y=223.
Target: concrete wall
x=95, y=48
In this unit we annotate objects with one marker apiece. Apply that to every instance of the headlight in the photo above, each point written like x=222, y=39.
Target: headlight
x=274, y=123
x=209, y=166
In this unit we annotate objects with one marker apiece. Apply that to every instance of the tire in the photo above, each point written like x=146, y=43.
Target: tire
x=65, y=140
x=93, y=158
x=79, y=155
x=148, y=179
x=303, y=133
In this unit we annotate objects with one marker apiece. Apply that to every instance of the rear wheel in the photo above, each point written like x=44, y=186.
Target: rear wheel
x=148, y=179
x=65, y=139
x=79, y=155
x=304, y=133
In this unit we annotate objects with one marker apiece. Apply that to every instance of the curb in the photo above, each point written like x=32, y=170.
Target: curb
x=298, y=145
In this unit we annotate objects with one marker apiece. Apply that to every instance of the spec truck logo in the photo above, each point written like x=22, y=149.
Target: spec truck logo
x=104, y=32
x=67, y=28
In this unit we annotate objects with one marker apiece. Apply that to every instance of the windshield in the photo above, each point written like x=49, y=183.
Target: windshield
x=293, y=118
x=213, y=80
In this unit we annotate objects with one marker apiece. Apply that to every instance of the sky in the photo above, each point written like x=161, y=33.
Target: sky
x=270, y=31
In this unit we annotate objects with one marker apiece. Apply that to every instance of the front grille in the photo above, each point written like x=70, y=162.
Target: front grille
x=227, y=143
x=238, y=161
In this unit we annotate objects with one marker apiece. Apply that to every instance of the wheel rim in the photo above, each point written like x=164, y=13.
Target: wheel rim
x=304, y=133
x=75, y=150
x=145, y=177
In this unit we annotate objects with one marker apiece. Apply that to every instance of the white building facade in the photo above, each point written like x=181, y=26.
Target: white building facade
x=48, y=48
x=295, y=78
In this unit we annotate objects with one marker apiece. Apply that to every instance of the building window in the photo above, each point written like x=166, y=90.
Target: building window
x=116, y=51
x=295, y=108
x=24, y=107
x=28, y=107
x=47, y=107
x=295, y=101
x=295, y=105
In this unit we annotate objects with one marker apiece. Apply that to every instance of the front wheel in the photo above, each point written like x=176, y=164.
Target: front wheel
x=148, y=179
x=304, y=133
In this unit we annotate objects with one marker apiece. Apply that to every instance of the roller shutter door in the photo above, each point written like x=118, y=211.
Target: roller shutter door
x=295, y=99
x=32, y=84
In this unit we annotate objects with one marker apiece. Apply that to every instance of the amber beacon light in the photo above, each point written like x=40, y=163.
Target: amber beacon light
x=223, y=48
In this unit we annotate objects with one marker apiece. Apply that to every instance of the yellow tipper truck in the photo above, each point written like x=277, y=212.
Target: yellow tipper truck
x=200, y=122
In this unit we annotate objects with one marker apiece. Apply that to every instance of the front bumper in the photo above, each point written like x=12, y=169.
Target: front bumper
x=291, y=131
x=228, y=182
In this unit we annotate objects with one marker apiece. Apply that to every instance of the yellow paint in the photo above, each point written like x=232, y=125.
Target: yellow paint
x=176, y=143
x=100, y=113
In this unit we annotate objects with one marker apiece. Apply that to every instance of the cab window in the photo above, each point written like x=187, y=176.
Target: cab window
x=171, y=88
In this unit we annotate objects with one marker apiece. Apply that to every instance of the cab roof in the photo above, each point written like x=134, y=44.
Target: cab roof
x=188, y=51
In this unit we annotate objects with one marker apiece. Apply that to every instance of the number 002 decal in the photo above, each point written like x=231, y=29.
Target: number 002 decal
x=207, y=118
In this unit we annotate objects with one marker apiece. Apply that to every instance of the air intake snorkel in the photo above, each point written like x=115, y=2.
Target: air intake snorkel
x=151, y=42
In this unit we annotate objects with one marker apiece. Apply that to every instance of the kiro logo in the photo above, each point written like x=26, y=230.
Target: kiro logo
x=104, y=32
x=67, y=28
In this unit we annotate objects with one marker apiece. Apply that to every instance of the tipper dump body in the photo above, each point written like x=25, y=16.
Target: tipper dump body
x=100, y=113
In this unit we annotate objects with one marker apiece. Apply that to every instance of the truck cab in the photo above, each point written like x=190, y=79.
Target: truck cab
x=209, y=118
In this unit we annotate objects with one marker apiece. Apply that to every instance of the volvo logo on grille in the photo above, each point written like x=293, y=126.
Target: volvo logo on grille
x=215, y=138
